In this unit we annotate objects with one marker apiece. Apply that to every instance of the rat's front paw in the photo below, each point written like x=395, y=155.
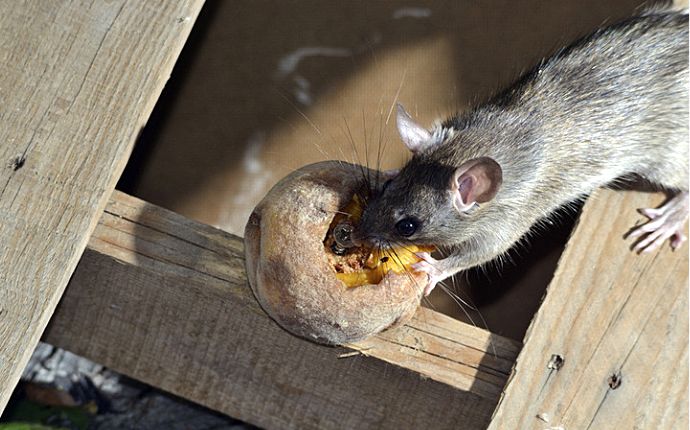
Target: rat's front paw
x=666, y=222
x=432, y=267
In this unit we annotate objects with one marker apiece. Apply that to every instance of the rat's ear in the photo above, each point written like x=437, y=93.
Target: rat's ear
x=413, y=135
x=476, y=181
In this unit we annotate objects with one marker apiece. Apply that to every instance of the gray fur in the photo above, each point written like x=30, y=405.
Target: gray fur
x=611, y=104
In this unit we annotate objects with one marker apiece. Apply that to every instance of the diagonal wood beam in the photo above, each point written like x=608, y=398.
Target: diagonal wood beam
x=610, y=315
x=164, y=299
x=79, y=80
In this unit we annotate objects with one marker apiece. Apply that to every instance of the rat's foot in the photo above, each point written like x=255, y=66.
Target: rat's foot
x=665, y=222
x=433, y=268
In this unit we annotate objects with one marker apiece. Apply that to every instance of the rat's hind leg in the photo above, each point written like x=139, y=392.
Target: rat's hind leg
x=667, y=221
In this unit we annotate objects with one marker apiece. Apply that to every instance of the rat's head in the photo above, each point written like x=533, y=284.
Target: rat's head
x=428, y=202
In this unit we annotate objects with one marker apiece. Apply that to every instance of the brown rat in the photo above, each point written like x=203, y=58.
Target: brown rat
x=612, y=104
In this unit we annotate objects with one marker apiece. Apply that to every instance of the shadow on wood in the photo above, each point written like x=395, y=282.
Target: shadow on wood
x=163, y=299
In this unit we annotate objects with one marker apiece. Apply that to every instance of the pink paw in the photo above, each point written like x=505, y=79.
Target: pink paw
x=430, y=266
x=665, y=222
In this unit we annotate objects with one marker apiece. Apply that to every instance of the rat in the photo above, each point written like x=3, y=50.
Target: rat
x=612, y=104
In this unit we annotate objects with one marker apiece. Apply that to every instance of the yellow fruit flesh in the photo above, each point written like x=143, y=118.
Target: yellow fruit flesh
x=398, y=260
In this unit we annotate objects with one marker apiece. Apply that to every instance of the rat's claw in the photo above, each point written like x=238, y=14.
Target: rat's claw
x=650, y=212
x=677, y=240
x=648, y=227
x=430, y=266
x=665, y=222
x=651, y=242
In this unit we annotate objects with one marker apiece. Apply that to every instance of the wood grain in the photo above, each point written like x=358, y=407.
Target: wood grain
x=607, y=312
x=78, y=81
x=164, y=299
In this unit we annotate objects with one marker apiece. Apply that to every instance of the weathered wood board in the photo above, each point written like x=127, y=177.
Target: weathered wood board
x=619, y=322
x=164, y=299
x=78, y=80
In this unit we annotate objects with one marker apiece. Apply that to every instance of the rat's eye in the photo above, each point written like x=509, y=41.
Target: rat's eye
x=406, y=227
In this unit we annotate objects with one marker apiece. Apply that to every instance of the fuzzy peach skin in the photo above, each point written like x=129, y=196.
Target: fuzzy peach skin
x=288, y=269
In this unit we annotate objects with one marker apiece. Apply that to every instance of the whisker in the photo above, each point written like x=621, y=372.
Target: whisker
x=319, y=133
x=365, y=175
x=366, y=150
x=299, y=111
x=429, y=303
x=348, y=134
x=378, y=157
x=347, y=214
x=475, y=308
x=382, y=140
x=404, y=245
x=400, y=262
x=461, y=303
x=397, y=94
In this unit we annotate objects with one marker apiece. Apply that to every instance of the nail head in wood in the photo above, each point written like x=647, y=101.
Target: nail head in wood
x=556, y=362
x=615, y=380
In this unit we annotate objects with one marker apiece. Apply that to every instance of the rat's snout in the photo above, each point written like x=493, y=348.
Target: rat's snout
x=362, y=237
x=368, y=231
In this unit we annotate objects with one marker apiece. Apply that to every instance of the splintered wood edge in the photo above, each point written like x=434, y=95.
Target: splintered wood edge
x=142, y=260
x=608, y=346
x=446, y=350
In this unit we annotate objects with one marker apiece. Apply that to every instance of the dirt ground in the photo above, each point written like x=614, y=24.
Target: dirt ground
x=264, y=87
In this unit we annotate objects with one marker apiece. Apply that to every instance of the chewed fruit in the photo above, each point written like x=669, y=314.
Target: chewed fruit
x=397, y=259
x=292, y=267
x=364, y=265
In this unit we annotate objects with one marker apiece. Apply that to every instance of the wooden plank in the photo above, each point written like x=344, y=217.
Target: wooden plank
x=607, y=312
x=164, y=300
x=78, y=81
